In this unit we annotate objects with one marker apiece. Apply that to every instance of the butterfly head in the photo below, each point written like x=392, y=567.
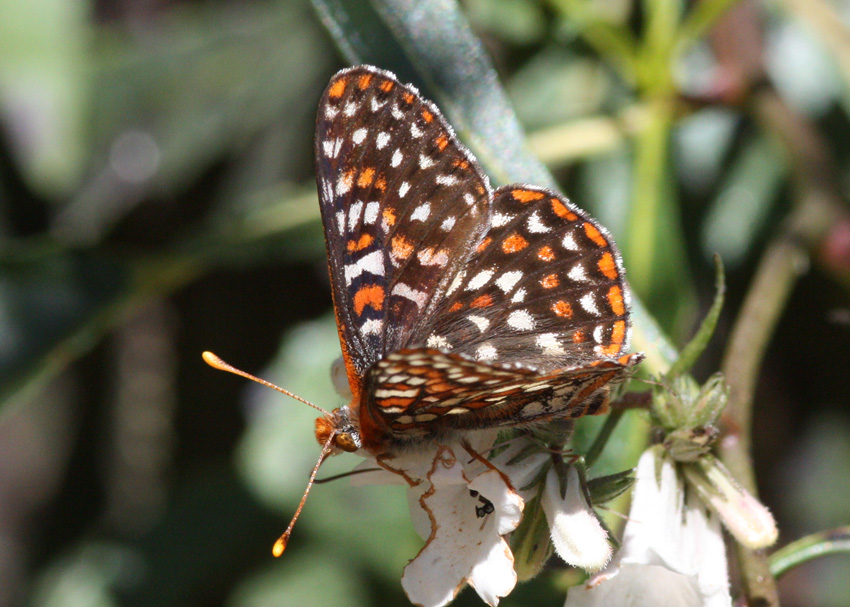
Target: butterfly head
x=338, y=429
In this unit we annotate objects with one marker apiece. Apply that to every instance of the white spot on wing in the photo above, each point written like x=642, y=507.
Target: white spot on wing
x=535, y=225
x=373, y=326
x=479, y=280
x=396, y=159
x=344, y=183
x=508, y=280
x=569, y=242
x=501, y=219
x=458, y=280
x=479, y=321
x=468, y=198
x=447, y=179
x=598, y=333
x=331, y=148
x=431, y=257
x=550, y=344
x=415, y=130
x=358, y=136
x=403, y=189
x=577, y=273
x=340, y=221
x=377, y=105
x=519, y=296
x=384, y=393
x=373, y=263
x=438, y=341
x=448, y=224
x=331, y=112
x=425, y=161
x=588, y=302
x=521, y=320
x=396, y=112
x=382, y=140
x=371, y=213
x=349, y=109
x=422, y=212
x=354, y=215
x=486, y=352
x=417, y=297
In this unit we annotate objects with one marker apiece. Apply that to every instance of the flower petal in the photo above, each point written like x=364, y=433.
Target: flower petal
x=577, y=535
x=467, y=519
x=639, y=586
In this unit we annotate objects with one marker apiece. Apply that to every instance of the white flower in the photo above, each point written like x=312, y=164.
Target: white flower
x=463, y=508
x=577, y=535
x=673, y=552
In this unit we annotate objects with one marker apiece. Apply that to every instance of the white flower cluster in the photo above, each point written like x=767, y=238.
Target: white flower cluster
x=464, y=506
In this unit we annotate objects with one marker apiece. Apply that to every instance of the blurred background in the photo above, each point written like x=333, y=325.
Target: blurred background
x=157, y=200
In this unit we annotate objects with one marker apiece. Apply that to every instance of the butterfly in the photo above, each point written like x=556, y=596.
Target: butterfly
x=459, y=308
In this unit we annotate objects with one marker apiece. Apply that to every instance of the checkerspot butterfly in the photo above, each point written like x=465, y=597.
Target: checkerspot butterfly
x=458, y=307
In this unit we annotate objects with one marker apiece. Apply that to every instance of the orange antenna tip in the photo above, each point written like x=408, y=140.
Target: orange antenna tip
x=280, y=545
x=214, y=361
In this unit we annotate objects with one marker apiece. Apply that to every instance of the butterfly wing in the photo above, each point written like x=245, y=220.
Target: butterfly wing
x=533, y=328
x=417, y=393
x=546, y=289
x=403, y=204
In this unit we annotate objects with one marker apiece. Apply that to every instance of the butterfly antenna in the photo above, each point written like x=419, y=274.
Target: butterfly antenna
x=216, y=363
x=283, y=540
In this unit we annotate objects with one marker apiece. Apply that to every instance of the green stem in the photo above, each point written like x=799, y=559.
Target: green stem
x=834, y=541
x=775, y=276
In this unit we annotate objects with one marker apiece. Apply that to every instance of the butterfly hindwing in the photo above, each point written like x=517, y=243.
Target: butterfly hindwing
x=544, y=289
x=421, y=392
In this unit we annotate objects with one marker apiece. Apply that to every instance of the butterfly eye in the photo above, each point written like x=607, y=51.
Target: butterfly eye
x=346, y=441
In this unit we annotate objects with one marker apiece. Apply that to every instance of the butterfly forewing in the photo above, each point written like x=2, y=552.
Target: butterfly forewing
x=403, y=205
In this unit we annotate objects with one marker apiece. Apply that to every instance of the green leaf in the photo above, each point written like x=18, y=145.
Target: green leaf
x=603, y=489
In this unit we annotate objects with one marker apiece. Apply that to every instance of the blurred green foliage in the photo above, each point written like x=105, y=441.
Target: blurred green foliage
x=158, y=200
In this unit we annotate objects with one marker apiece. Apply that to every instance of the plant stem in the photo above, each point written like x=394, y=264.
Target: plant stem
x=776, y=274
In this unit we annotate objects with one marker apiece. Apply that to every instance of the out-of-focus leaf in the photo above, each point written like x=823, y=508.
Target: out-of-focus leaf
x=702, y=142
x=581, y=86
x=811, y=55
x=516, y=21
x=44, y=89
x=297, y=580
x=51, y=309
x=246, y=82
x=87, y=576
x=737, y=216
